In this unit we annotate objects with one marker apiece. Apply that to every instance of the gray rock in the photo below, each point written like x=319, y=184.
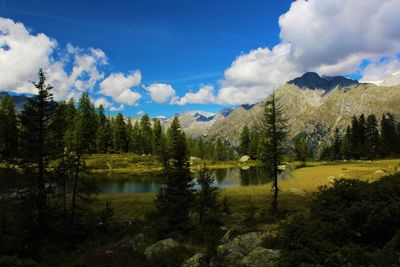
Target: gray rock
x=261, y=257
x=232, y=252
x=198, y=260
x=160, y=248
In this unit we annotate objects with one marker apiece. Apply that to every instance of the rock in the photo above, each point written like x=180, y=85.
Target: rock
x=261, y=257
x=244, y=158
x=198, y=260
x=160, y=248
x=139, y=239
x=245, y=168
x=231, y=252
x=125, y=245
x=380, y=172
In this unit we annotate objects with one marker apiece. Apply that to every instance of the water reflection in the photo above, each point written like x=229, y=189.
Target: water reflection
x=126, y=183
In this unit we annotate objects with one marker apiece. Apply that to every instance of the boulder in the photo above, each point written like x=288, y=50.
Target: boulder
x=161, y=248
x=244, y=158
x=233, y=251
x=261, y=257
x=198, y=260
x=380, y=172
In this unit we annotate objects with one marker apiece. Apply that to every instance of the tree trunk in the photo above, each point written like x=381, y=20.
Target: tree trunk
x=74, y=192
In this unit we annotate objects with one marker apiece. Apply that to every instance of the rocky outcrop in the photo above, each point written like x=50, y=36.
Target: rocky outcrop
x=261, y=257
x=232, y=252
x=198, y=260
x=161, y=248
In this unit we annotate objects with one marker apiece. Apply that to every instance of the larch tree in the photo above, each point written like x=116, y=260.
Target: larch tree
x=275, y=130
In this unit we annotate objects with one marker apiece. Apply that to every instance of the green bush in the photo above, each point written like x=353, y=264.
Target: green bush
x=353, y=223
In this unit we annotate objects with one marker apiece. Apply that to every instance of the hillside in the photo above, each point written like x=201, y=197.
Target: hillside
x=314, y=106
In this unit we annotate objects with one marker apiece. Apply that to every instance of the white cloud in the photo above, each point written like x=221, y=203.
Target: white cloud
x=102, y=101
x=204, y=95
x=140, y=113
x=21, y=55
x=161, y=92
x=118, y=86
x=330, y=37
x=119, y=108
x=383, y=72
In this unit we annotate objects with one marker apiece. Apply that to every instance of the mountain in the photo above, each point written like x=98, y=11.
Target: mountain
x=19, y=100
x=314, y=106
x=311, y=80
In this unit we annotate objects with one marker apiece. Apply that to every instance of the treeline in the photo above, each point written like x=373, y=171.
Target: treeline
x=213, y=150
x=366, y=138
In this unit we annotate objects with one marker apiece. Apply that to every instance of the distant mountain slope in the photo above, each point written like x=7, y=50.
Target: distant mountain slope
x=314, y=106
x=19, y=100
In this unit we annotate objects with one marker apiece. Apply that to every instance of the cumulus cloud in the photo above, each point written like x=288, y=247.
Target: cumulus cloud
x=140, y=113
x=21, y=55
x=119, y=108
x=385, y=71
x=118, y=86
x=102, y=101
x=331, y=37
x=161, y=92
x=203, y=96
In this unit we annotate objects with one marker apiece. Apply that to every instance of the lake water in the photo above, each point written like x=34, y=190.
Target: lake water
x=126, y=183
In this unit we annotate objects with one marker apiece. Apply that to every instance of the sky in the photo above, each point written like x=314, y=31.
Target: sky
x=164, y=57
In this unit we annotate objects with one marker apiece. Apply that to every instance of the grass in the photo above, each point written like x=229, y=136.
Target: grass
x=294, y=196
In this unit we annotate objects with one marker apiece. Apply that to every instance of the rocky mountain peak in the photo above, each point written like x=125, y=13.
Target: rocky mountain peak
x=312, y=80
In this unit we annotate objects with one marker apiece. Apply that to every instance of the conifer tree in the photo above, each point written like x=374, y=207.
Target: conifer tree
x=372, y=136
x=274, y=128
x=120, y=138
x=253, y=145
x=129, y=134
x=137, y=139
x=36, y=151
x=301, y=149
x=146, y=134
x=157, y=136
x=337, y=144
x=175, y=198
x=102, y=135
x=8, y=129
x=388, y=134
x=219, y=150
x=245, y=141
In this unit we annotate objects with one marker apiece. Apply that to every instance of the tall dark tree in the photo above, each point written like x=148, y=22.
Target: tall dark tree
x=275, y=130
x=254, y=144
x=175, y=198
x=388, y=138
x=8, y=129
x=372, y=136
x=245, y=141
x=157, y=136
x=120, y=138
x=129, y=134
x=136, y=139
x=301, y=149
x=219, y=150
x=337, y=144
x=146, y=134
x=36, y=150
x=102, y=135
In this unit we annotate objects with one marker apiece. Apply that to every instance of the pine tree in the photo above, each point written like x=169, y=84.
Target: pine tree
x=175, y=198
x=355, y=138
x=201, y=150
x=245, y=141
x=157, y=135
x=120, y=138
x=275, y=131
x=8, y=129
x=146, y=134
x=388, y=134
x=35, y=127
x=206, y=202
x=219, y=151
x=337, y=144
x=372, y=136
x=137, y=139
x=301, y=149
x=102, y=135
x=129, y=134
x=253, y=145
x=346, y=143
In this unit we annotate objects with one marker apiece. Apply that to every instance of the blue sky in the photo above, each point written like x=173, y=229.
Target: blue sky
x=223, y=53
x=183, y=43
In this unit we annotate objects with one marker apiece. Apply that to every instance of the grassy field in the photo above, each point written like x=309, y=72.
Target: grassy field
x=295, y=191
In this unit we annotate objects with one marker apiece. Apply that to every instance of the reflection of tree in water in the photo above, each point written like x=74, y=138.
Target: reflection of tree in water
x=220, y=174
x=254, y=176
